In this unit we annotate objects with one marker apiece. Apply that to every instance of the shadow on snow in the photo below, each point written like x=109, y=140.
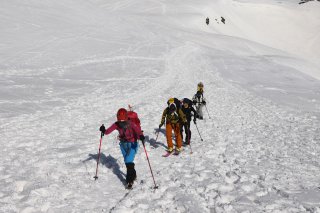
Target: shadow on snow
x=111, y=163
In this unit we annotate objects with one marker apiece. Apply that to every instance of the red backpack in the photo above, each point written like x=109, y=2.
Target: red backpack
x=133, y=117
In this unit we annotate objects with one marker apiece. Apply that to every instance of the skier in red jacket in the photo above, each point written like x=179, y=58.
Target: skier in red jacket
x=129, y=133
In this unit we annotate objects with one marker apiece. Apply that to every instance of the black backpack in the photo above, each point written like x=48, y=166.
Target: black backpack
x=188, y=101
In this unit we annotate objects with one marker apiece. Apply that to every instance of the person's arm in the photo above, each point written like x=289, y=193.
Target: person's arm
x=182, y=116
x=111, y=129
x=203, y=100
x=194, y=99
x=164, y=115
x=138, y=132
x=194, y=112
x=136, y=129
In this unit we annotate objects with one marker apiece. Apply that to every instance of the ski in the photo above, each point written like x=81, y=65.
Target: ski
x=176, y=152
x=167, y=154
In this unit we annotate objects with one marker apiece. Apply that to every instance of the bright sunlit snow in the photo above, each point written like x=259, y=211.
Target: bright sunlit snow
x=67, y=66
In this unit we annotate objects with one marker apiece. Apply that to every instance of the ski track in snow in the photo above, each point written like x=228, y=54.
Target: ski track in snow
x=257, y=155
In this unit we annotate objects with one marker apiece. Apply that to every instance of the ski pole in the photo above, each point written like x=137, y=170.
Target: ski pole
x=157, y=135
x=199, y=132
x=96, y=176
x=207, y=110
x=190, y=148
x=155, y=185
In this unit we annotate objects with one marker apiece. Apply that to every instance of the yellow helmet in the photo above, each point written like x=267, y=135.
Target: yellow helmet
x=170, y=101
x=200, y=87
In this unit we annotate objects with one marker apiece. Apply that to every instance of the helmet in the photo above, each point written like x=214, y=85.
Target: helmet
x=200, y=84
x=187, y=101
x=122, y=114
x=170, y=101
x=200, y=87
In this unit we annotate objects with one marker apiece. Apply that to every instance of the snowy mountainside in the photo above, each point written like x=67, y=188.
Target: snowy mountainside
x=67, y=67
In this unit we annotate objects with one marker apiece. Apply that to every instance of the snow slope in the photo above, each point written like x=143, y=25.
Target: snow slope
x=66, y=67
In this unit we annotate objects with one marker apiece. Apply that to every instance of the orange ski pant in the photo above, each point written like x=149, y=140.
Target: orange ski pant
x=177, y=133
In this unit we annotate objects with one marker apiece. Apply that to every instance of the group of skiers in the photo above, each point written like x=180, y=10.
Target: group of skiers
x=176, y=116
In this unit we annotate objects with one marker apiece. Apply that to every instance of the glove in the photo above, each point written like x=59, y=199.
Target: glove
x=194, y=121
x=204, y=103
x=142, y=138
x=102, y=129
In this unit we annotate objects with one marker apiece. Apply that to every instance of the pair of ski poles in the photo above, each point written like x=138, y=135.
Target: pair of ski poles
x=96, y=176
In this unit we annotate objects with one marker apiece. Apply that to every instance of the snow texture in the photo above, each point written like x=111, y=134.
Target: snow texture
x=67, y=66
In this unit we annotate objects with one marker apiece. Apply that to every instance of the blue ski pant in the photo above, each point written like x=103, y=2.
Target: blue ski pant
x=128, y=150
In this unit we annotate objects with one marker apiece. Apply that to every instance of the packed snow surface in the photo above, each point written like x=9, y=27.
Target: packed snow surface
x=67, y=66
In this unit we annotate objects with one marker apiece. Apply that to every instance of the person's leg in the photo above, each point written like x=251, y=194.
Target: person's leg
x=197, y=110
x=131, y=173
x=188, y=132
x=181, y=131
x=169, y=136
x=178, y=135
x=129, y=150
x=200, y=112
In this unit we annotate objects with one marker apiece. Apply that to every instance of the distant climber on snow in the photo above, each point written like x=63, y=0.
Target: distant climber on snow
x=223, y=20
x=199, y=101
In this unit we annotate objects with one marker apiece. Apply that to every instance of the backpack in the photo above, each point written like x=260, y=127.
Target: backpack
x=133, y=117
x=125, y=131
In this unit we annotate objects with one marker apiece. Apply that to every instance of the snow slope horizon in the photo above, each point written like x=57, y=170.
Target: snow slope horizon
x=66, y=67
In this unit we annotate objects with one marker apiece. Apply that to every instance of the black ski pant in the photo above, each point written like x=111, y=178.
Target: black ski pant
x=131, y=173
x=187, y=130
